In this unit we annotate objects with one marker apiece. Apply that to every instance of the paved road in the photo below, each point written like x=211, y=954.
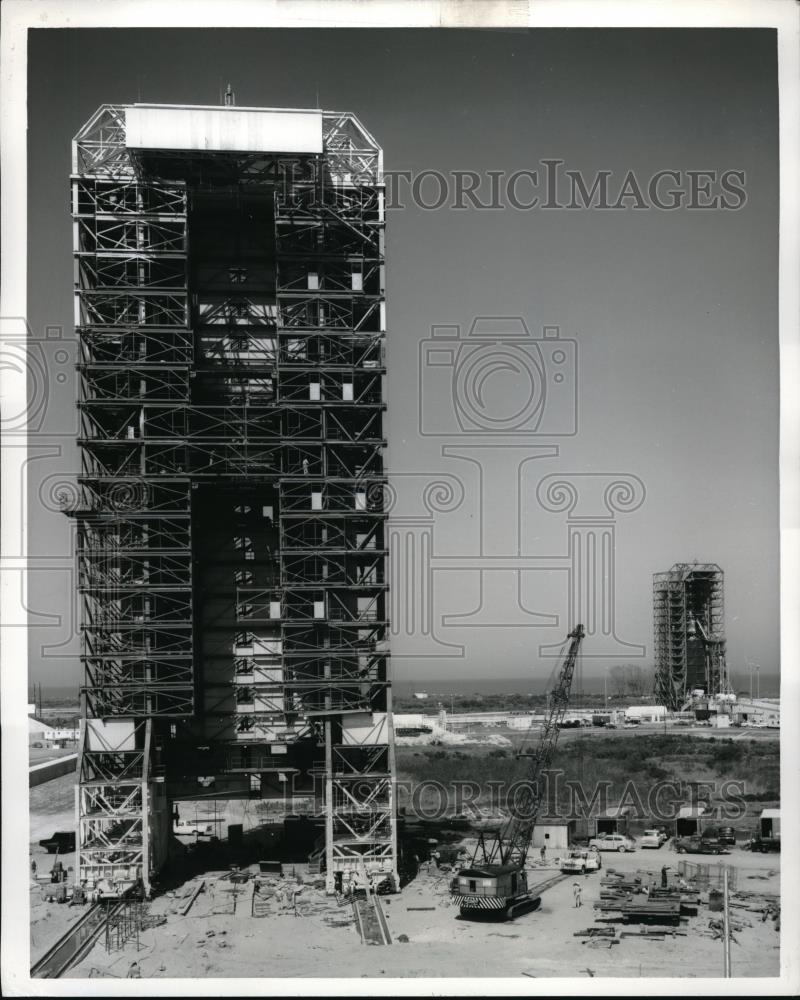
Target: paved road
x=38, y=755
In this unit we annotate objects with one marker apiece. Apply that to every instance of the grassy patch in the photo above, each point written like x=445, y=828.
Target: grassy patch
x=631, y=767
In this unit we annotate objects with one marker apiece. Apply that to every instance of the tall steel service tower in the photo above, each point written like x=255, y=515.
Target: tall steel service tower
x=231, y=532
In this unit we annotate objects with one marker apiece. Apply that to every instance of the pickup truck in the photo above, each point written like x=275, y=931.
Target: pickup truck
x=699, y=845
x=581, y=861
x=653, y=839
x=612, y=842
x=765, y=844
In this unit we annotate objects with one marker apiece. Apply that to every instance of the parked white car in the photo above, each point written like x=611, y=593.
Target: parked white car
x=652, y=839
x=581, y=861
x=613, y=842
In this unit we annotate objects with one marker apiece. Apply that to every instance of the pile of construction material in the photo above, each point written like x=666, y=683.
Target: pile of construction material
x=642, y=898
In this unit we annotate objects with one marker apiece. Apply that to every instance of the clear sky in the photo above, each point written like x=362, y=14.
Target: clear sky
x=674, y=312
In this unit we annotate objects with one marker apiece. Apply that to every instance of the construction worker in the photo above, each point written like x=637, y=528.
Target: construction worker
x=576, y=893
x=664, y=871
x=295, y=891
x=543, y=853
x=33, y=867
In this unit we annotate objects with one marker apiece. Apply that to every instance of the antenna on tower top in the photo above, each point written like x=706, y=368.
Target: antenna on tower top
x=230, y=97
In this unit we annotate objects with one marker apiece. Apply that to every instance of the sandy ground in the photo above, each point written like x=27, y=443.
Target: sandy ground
x=52, y=808
x=213, y=940
x=219, y=937
x=321, y=940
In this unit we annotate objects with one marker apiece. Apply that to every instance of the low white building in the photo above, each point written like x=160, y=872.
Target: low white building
x=40, y=732
x=757, y=712
x=413, y=720
x=646, y=713
x=522, y=721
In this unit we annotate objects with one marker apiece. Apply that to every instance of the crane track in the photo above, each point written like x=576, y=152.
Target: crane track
x=76, y=943
x=371, y=921
x=548, y=883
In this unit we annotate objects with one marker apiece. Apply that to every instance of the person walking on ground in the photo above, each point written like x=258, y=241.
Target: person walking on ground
x=664, y=871
x=33, y=867
x=576, y=893
x=543, y=853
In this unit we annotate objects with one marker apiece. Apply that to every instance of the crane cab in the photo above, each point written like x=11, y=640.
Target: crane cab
x=499, y=888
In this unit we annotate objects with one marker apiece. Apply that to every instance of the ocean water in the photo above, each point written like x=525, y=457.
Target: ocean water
x=463, y=687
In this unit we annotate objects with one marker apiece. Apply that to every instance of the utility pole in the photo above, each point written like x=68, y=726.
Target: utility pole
x=726, y=925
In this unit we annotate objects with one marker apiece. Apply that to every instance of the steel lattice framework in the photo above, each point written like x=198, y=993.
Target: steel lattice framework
x=231, y=526
x=685, y=594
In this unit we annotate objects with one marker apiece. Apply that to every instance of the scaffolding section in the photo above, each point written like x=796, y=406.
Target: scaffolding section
x=231, y=536
x=688, y=619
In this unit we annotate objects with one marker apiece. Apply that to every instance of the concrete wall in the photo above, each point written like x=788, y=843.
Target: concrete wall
x=50, y=769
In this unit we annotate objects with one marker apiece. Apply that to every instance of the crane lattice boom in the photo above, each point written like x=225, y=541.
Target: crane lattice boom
x=509, y=846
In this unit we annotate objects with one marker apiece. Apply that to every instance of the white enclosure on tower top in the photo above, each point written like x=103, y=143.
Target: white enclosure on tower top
x=223, y=129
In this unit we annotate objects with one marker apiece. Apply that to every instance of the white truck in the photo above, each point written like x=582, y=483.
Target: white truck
x=652, y=839
x=580, y=861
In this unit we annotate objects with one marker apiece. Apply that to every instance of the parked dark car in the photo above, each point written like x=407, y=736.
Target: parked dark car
x=765, y=844
x=699, y=845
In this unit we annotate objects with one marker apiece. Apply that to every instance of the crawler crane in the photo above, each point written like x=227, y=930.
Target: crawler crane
x=496, y=878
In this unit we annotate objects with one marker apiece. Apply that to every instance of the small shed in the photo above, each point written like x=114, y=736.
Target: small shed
x=613, y=820
x=556, y=834
x=688, y=820
x=769, y=824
